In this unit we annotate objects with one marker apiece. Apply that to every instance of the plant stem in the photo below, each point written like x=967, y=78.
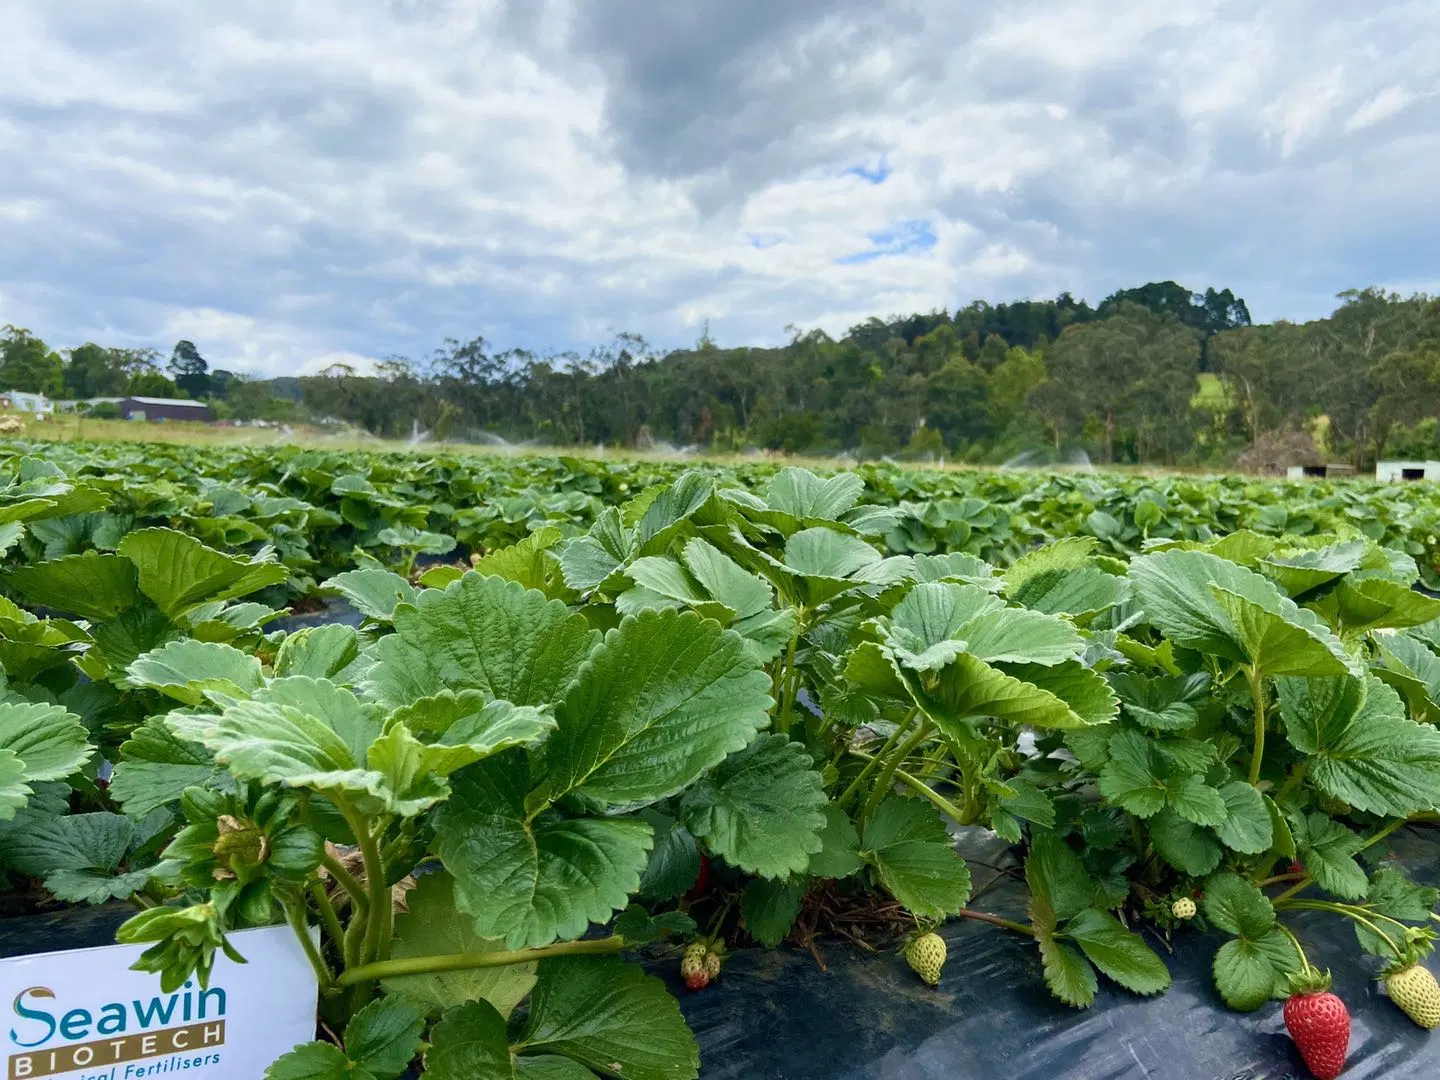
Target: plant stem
x=849, y=792
x=295, y=915
x=996, y=920
x=347, y=880
x=425, y=965
x=327, y=913
x=1383, y=833
x=377, y=932
x=1305, y=967
x=1257, y=697
x=1359, y=915
x=887, y=773
x=1303, y=883
x=1278, y=878
x=1292, y=781
x=787, y=684
x=925, y=791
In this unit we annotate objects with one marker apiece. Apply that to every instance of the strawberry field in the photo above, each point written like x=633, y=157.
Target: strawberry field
x=589, y=734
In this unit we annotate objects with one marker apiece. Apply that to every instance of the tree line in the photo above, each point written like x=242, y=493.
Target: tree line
x=1155, y=374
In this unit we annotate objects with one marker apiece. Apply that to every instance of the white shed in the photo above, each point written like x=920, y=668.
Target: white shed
x=24, y=401
x=1395, y=471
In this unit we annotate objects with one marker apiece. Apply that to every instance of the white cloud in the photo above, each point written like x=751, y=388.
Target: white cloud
x=1382, y=106
x=343, y=178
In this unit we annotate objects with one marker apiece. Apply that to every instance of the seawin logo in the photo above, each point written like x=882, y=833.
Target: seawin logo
x=119, y=1040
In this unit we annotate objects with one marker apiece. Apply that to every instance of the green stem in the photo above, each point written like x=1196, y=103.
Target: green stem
x=1303, y=883
x=1305, y=967
x=425, y=965
x=347, y=881
x=996, y=920
x=1292, y=781
x=788, y=684
x=850, y=792
x=887, y=773
x=926, y=792
x=327, y=912
x=1383, y=833
x=381, y=917
x=1358, y=915
x=1257, y=698
x=295, y=916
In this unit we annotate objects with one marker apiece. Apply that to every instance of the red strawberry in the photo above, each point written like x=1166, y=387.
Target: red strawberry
x=1320, y=1025
x=1295, y=867
x=702, y=879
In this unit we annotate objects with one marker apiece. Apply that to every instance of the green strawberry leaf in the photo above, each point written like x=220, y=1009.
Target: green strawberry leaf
x=433, y=926
x=532, y=881
x=1135, y=776
x=1253, y=967
x=49, y=740
x=178, y=572
x=1118, y=953
x=1362, y=747
x=1055, y=874
x=674, y=863
x=1065, y=696
x=1373, y=603
x=770, y=908
x=666, y=697
x=320, y=652
x=1248, y=973
x=156, y=768
x=185, y=669
x=760, y=808
x=1209, y=604
x=480, y=633
x=725, y=580
x=1247, y=827
x=610, y=1017
x=1195, y=801
x=91, y=586
x=373, y=593
x=1190, y=848
x=303, y=733
x=907, y=843
x=839, y=854
x=314, y=1061
x=1328, y=849
x=1068, y=975
x=467, y=1044
x=1413, y=670
x=384, y=1036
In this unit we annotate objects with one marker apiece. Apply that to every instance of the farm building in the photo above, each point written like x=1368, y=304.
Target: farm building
x=1392, y=471
x=23, y=401
x=1318, y=472
x=159, y=408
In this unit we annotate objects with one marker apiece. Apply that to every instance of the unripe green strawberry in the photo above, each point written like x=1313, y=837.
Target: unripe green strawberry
x=1414, y=989
x=1184, y=908
x=926, y=956
x=712, y=966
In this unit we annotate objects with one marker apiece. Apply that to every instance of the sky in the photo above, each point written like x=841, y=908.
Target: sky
x=291, y=185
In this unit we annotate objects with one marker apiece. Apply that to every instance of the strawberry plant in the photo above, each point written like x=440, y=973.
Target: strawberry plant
x=669, y=707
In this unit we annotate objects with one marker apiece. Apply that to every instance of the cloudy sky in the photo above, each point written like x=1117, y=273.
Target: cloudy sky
x=289, y=184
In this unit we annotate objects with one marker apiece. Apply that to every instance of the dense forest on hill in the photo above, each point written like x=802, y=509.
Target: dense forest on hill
x=1155, y=374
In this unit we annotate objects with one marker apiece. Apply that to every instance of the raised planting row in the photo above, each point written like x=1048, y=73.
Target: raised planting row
x=710, y=715
x=324, y=512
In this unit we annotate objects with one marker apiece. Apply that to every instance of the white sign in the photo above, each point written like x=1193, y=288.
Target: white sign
x=84, y=1015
